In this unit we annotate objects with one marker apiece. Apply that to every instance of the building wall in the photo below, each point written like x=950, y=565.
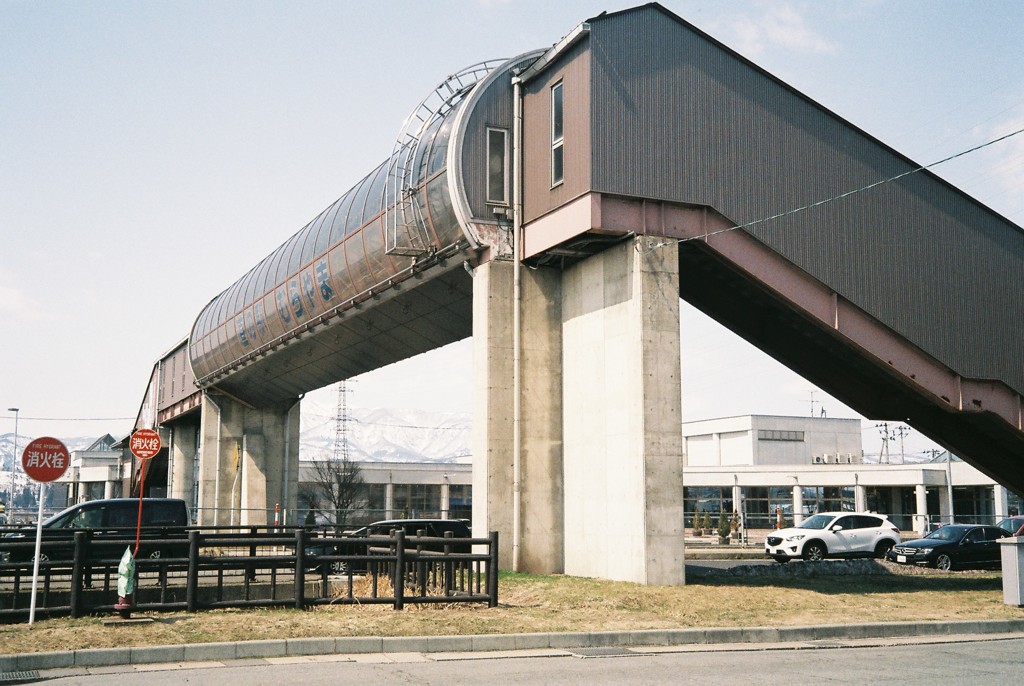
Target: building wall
x=770, y=440
x=539, y=197
x=677, y=116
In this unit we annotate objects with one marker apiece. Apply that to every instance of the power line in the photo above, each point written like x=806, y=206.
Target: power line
x=78, y=419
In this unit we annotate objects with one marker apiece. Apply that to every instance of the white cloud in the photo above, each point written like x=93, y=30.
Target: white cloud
x=778, y=25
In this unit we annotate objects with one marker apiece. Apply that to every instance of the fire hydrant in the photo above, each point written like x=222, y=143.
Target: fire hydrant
x=126, y=585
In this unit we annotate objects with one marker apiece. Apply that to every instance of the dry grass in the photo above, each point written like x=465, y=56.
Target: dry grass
x=560, y=603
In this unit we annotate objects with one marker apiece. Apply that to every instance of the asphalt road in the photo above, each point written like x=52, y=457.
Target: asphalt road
x=912, y=663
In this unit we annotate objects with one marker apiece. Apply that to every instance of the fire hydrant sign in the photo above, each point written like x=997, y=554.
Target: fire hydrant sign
x=45, y=459
x=144, y=444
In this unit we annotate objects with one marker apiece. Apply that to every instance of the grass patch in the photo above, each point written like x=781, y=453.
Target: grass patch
x=531, y=603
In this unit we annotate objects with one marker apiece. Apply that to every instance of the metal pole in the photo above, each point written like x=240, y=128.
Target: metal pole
x=517, y=247
x=949, y=483
x=14, y=461
x=35, y=563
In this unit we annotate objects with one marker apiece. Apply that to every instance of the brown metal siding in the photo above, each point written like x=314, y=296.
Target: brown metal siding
x=573, y=70
x=677, y=117
x=494, y=109
x=175, y=378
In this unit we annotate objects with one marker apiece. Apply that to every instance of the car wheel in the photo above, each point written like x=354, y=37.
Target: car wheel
x=944, y=562
x=339, y=567
x=156, y=555
x=815, y=551
x=882, y=549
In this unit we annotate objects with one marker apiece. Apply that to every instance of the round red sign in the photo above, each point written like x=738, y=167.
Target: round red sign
x=45, y=459
x=144, y=443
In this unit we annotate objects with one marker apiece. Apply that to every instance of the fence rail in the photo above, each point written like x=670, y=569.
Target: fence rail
x=205, y=568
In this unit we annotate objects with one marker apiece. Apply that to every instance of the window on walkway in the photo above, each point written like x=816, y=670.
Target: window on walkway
x=557, y=136
x=497, y=166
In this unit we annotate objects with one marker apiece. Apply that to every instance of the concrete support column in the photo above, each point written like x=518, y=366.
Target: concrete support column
x=798, y=505
x=445, y=498
x=621, y=415
x=1000, y=501
x=389, y=501
x=108, y=489
x=492, y=403
x=860, y=498
x=540, y=490
x=248, y=461
x=921, y=516
x=182, y=455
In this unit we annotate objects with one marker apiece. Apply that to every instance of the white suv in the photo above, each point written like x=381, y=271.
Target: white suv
x=834, y=534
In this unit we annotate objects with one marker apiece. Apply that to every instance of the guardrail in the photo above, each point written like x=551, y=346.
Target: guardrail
x=247, y=567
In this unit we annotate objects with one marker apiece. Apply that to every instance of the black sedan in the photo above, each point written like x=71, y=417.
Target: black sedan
x=952, y=546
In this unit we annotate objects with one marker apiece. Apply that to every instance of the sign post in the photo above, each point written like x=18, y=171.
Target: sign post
x=44, y=460
x=143, y=444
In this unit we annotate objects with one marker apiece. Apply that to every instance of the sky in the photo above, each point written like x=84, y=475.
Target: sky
x=153, y=152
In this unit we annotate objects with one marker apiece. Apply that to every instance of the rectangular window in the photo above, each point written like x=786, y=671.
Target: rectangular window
x=557, y=136
x=775, y=435
x=497, y=166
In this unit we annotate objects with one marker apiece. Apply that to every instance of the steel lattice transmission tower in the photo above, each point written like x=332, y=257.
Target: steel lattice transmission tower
x=341, y=423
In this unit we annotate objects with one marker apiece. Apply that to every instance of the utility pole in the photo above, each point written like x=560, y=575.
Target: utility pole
x=902, y=431
x=883, y=429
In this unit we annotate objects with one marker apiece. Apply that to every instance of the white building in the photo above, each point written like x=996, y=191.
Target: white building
x=766, y=466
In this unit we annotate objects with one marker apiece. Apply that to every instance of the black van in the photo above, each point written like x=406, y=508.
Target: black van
x=112, y=524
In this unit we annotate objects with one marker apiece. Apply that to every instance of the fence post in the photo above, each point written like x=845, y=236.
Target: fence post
x=250, y=568
x=192, y=582
x=81, y=541
x=398, y=580
x=300, y=568
x=448, y=569
x=492, y=572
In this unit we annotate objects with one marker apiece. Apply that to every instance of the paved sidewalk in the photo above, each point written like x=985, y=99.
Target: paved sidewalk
x=29, y=667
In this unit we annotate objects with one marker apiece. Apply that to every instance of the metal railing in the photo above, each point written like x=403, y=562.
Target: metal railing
x=204, y=568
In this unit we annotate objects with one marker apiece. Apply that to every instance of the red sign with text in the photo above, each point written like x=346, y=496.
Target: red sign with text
x=144, y=443
x=45, y=459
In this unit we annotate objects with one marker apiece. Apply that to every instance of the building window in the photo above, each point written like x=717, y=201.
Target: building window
x=416, y=501
x=828, y=499
x=773, y=435
x=460, y=501
x=711, y=499
x=764, y=505
x=497, y=166
x=557, y=136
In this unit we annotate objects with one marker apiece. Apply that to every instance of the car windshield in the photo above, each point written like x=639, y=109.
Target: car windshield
x=818, y=521
x=946, y=533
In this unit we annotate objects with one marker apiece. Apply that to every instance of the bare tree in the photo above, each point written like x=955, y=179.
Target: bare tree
x=337, y=486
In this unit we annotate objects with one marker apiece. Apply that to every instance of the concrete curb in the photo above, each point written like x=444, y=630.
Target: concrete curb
x=297, y=647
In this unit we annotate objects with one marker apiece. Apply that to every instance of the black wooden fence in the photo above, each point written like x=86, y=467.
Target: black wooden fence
x=203, y=567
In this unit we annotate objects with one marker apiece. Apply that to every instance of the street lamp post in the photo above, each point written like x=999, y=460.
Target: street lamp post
x=14, y=463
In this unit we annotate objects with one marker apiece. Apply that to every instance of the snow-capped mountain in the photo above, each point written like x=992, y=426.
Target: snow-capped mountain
x=386, y=435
